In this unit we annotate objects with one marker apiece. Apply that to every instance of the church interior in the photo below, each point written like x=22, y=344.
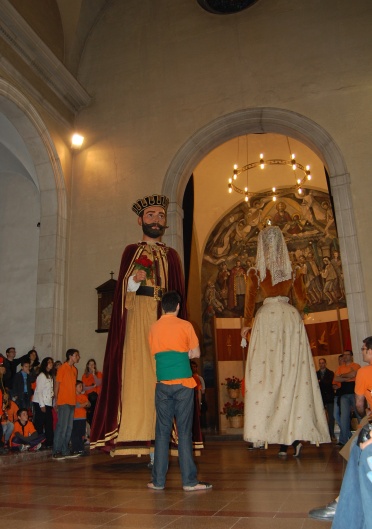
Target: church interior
x=166, y=97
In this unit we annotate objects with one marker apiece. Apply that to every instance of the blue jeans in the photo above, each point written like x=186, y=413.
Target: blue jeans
x=336, y=411
x=347, y=404
x=329, y=406
x=174, y=401
x=354, y=508
x=63, y=430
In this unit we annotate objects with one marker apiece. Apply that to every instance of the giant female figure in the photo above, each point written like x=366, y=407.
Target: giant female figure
x=282, y=400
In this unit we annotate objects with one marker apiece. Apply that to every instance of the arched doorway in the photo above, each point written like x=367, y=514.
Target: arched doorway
x=288, y=123
x=48, y=180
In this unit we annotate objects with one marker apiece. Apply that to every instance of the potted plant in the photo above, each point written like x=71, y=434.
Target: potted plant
x=233, y=385
x=234, y=412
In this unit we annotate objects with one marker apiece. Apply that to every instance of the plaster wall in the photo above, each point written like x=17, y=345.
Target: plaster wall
x=161, y=71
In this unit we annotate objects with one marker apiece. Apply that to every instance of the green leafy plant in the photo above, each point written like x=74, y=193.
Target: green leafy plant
x=232, y=409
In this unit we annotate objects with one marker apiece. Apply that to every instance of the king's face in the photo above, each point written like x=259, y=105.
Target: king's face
x=153, y=214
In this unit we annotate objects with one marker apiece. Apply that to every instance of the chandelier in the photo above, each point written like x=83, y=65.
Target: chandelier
x=301, y=173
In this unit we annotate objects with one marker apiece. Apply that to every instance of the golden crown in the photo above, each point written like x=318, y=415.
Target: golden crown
x=150, y=200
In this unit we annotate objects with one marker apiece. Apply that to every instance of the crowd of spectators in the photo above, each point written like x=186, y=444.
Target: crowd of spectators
x=28, y=389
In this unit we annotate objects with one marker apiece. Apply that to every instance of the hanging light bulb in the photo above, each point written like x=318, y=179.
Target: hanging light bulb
x=293, y=162
x=262, y=163
x=235, y=171
x=308, y=175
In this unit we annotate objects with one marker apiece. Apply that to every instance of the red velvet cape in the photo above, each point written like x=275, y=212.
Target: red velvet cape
x=105, y=423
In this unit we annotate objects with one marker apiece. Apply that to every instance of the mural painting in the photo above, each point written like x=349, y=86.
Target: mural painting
x=308, y=226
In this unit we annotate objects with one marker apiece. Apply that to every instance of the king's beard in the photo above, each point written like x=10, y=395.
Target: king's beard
x=153, y=230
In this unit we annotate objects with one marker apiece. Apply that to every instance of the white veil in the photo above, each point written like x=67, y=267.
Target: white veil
x=272, y=254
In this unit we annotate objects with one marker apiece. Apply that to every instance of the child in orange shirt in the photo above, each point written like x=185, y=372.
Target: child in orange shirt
x=80, y=420
x=24, y=436
x=8, y=418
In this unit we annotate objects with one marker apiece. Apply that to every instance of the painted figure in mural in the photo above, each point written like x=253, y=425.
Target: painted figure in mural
x=328, y=219
x=313, y=279
x=237, y=288
x=283, y=403
x=337, y=265
x=330, y=281
x=124, y=421
x=281, y=217
x=223, y=282
x=211, y=297
x=295, y=226
x=312, y=288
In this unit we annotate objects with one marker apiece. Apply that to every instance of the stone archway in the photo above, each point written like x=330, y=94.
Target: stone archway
x=311, y=134
x=49, y=311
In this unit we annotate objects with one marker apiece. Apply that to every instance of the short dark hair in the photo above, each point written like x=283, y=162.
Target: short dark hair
x=78, y=382
x=21, y=410
x=368, y=342
x=322, y=359
x=9, y=348
x=349, y=351
x=25, y=361
x=170, y=300
x=70, y=352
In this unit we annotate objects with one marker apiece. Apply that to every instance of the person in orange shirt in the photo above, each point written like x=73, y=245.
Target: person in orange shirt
x=65, y=398
x=2, y=373
x=9, y=417
x=24, y=436
x=92, y=384
x=345, y=374
x=80, y=420
x=173, y=342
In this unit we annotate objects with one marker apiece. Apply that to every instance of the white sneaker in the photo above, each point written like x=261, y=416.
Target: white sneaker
x=23, y=448
x=34, y=448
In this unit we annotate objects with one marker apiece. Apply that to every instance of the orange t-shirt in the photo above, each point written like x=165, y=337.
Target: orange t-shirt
x=342, y=370
x=11, y=412
x=173, y=334
x=88, y=380
x=26, y=430
x=66, y=376
x=80, y=413
x=363, y=384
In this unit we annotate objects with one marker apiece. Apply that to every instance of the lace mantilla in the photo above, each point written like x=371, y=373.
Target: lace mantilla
x=272, y=254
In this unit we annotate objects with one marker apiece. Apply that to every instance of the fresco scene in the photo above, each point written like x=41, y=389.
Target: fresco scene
x=308, y=225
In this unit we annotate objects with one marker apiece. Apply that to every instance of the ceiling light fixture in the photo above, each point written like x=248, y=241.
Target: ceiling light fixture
x=304, y=176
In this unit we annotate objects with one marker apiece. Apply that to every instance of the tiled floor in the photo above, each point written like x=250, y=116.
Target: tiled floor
x=251, y=490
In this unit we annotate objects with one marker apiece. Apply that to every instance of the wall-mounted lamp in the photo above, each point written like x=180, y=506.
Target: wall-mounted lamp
x=77, y=141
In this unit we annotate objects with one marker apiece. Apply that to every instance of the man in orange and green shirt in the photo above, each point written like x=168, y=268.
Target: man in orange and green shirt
x=173, y=342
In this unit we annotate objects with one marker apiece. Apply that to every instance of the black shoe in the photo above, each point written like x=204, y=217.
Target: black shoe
x=72, y=455
x=58, y=456
x=327, y=512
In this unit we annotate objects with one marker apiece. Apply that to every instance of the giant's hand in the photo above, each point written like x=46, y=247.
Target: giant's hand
x=244, y=332
x=139, y=276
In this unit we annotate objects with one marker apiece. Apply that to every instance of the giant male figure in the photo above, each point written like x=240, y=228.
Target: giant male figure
x=124, y=420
